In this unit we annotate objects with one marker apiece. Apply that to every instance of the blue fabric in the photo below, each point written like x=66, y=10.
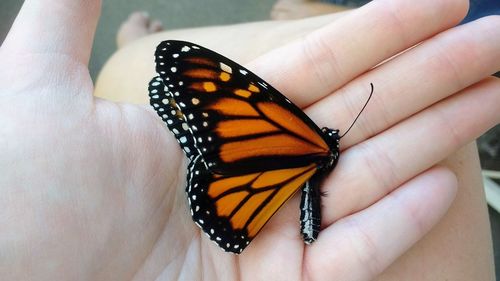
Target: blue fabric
x=478, y=8
x=482, y=8
x=348, y=3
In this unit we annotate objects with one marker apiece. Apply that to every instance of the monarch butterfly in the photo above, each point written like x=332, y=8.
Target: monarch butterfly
x=250, y=148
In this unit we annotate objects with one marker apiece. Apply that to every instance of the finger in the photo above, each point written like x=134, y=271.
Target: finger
x=46, y=27
x=414, y=80
x=361, y=246
x=356, y=42
x=368, y=171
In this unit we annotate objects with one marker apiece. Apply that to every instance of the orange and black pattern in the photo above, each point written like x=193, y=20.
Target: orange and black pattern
x=250, y=148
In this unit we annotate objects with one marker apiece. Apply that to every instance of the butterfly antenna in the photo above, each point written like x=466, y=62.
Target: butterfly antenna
x=366, y=103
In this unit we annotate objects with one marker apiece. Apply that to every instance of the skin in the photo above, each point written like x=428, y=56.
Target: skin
x=93, y=189
x=293, y=9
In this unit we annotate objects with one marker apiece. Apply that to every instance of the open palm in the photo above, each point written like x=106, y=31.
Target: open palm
x=94, y=190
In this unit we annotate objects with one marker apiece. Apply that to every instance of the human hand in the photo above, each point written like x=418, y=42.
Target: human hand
x=87, y=185
x=103, y=199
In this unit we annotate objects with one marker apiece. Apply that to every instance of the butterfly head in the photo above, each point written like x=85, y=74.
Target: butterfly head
x=332, y=138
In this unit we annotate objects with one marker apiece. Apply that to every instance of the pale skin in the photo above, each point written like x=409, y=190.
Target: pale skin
x=93, y=189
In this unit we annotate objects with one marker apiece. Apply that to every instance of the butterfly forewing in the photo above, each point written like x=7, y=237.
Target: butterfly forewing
x=238, y=121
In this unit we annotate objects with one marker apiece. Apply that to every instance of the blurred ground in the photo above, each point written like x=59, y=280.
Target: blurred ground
x=174, y=14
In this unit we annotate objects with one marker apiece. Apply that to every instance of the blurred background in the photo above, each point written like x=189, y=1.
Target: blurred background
x=173, y=14
x=194, y=13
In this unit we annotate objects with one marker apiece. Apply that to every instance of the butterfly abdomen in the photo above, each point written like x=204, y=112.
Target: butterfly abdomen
x=310, y=209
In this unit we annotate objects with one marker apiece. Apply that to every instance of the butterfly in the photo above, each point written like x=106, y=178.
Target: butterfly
x=250, y=148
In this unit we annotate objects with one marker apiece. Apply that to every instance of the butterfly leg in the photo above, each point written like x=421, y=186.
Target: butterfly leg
x=310, y=209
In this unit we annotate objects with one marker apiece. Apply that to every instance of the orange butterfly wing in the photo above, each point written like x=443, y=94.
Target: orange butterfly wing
x=251, y=149
x=232, y=210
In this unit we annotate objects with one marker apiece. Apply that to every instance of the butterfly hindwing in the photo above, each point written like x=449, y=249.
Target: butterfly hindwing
x=232, y=210
x=166, y=108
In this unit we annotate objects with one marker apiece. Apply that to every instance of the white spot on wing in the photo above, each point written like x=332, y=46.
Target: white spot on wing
x=226, y=67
